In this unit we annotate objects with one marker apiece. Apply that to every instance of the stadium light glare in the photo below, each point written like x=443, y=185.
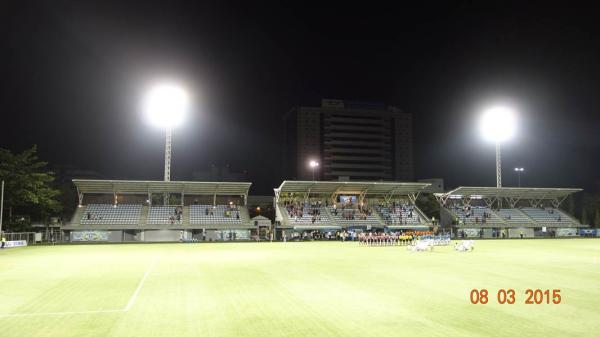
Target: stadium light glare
x=166, y=104
x=519, y=171
x=313, y=165
x=498, y=124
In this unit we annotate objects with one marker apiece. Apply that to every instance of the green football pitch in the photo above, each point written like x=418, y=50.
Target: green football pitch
x=297, y=289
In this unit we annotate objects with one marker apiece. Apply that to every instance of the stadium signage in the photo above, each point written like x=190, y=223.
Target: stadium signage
x=16, y=243
x=86, y=236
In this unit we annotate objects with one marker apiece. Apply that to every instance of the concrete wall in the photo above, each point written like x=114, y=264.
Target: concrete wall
x=161, y=235
x=488, y=233
x=516, y=232
x=115, y=236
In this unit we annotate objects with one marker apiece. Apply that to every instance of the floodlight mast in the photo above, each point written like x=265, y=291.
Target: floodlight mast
x=519, y=170
x=498, y=166
x=168, y=141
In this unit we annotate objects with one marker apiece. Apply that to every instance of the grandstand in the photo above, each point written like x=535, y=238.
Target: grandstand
x=507, y=212
x=99, y=214
x=127, y=211
x=324, y=206
x=218, y=214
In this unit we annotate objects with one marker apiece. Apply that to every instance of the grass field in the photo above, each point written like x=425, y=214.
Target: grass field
x=297, y=289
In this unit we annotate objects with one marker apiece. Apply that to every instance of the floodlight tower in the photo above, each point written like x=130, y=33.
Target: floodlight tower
x=497, y=124
x=165, y=106
x=313, y=165
x=519, y=171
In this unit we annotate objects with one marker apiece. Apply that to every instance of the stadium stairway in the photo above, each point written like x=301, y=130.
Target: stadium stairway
x=422, y=217
x=76, y=219
x=527, y=216
x=285, y=218
x=186, y=216
x=244, y=215
x=332, y=219
x=497, y=218
x=448, y=212
x=569, y=216
x=144, y=215
x=378, y=217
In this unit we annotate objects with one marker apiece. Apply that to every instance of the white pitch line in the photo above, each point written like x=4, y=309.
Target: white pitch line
x=63, y=313
x=139, y=287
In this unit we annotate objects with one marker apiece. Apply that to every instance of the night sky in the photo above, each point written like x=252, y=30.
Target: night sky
x=73, y=74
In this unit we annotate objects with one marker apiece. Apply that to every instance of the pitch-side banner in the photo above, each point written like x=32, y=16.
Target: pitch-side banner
x=86, y=236
x=16, y=243
x=566, y=232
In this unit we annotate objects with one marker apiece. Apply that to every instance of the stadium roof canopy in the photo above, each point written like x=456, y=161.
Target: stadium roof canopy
x=143, y=187
x=350, y=187
x=511, y=194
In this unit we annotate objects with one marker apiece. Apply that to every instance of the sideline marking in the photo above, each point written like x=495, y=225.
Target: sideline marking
x=60, y=313
x=127, y=307
x=139, y=287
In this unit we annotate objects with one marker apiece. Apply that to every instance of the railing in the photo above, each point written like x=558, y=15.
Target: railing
x=23, y=236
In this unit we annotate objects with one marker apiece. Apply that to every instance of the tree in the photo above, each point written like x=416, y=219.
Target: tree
x=28, y=184
x=569, y=206
x=584, y=217
x=597, y=218
x=589, y=205
x=429, y=205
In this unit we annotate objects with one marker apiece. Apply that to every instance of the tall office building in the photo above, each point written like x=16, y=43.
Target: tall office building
x=350, y=140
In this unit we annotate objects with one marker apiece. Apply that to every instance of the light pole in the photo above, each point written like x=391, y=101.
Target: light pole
x=165, y=106
x=497, y=125
x=313, y=165
x=519, y=171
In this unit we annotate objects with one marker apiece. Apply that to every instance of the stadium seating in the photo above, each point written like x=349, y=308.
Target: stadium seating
x=399, y=215
x=515, y=217
x=101, y=214
x=340, y=218
x=218, y=214
x=307, y=217
x=476, y=216
x=549, y=217
x=163, y=215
